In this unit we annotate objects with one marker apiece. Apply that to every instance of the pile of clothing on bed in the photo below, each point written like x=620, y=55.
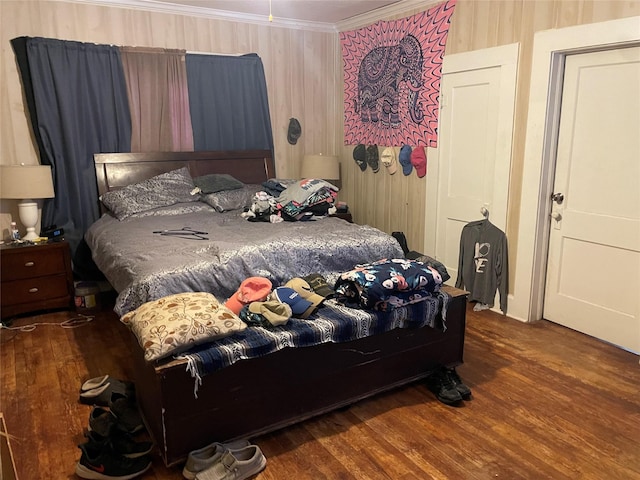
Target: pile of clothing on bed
x=291, y=200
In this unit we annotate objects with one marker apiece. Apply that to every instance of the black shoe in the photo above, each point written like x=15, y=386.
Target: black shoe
x=101, y=421
x=445, y=390
x=126, y=413
x=463, y=390
x=101, y=463
x=120, y=443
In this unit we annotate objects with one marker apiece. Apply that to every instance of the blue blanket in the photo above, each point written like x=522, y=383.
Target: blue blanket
x=332, y=323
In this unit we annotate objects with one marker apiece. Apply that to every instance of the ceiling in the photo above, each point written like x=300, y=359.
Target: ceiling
x=322, y=11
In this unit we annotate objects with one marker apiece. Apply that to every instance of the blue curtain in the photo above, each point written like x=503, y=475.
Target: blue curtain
x=79, y=107
x=228, y=102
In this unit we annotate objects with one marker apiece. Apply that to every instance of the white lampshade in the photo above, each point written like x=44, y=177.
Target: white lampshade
x=25, y=183
x=325, y=167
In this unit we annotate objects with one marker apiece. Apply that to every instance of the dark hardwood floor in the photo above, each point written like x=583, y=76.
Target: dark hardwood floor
x=548, y=403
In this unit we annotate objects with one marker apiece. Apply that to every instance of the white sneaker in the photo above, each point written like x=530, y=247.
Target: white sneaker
x=236, y=465
x=203, y=458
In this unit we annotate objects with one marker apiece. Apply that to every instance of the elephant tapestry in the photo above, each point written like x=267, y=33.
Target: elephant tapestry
x=392, y=75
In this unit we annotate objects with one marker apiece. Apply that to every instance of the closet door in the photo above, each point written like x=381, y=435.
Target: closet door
x=470, y=169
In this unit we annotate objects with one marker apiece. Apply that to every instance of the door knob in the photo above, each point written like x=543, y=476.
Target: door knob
x=556, y=216
x=557, y=197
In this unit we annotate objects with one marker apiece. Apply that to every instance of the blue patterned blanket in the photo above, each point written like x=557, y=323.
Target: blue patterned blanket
x=332, y=323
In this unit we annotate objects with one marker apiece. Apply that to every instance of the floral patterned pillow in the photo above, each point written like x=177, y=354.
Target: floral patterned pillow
x=175, y=323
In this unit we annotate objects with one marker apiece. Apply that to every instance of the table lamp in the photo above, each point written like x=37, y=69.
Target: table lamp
x=324, y=167
x=26, y=183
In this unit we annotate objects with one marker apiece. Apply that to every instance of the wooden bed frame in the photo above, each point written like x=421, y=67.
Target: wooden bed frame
x=257, y=396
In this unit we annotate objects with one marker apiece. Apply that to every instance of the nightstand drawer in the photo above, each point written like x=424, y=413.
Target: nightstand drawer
x=30, y=262
x=34, y=290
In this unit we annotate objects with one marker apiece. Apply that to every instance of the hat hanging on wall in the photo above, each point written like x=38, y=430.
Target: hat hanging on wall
x=360, y=156
x=405, y=160
x=419, y=161
x=294, y=131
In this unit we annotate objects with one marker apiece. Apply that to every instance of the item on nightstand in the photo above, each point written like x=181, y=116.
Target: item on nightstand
x=15, y=233
x=53, y=233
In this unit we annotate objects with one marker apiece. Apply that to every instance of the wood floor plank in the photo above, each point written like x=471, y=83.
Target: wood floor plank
x=548, y=402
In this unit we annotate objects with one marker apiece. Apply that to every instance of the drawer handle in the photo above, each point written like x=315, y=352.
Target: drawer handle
x=33, y=290
x=29, y=264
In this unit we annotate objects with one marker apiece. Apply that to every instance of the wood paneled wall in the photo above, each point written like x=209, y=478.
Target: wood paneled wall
x=304, y=79
x=398, y=203
x=302, y=73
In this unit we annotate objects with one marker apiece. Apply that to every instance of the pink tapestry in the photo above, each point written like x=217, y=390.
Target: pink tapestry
x=392, y=75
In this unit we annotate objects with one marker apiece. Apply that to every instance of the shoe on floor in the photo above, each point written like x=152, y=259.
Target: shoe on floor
x=203, y=458
x=463, y=390
x=101, y=421
x=126, y=413
x=98, y=390
x=237, y=465
x=97, y=463
x=443, y=387
x=120, y=443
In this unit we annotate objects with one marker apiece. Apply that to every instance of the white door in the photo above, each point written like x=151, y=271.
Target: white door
x=593, y=268
x=477, y=95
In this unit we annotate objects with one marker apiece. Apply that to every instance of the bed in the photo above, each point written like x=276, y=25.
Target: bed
x=186, y=404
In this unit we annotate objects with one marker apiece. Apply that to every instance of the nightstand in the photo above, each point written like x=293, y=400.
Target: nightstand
x=343, y=216
x=35, y=277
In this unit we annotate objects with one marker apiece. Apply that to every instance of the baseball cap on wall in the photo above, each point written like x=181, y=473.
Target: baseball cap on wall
x=388, y=159
x=419, y=161
x=294, y=131
x=360, y=156
x=405, y=160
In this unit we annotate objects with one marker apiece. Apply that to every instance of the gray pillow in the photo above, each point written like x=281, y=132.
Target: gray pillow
x=217, y=182
x=232, y=199
x=159, y=191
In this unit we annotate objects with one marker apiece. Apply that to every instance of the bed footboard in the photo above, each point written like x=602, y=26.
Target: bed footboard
x=260, y=395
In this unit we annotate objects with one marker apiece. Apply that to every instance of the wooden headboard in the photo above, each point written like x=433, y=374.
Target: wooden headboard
x=117, y=170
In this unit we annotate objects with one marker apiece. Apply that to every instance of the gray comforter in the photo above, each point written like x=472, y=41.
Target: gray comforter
x=143, y=266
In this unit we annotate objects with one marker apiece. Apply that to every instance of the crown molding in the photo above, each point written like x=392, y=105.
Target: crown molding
x=214, y=14
x=395, y=9
x=401, y=8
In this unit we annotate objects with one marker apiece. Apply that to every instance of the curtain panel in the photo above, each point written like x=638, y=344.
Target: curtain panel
x=158, y=99
x=80, y=108
x=85, y=98
x=229, y=103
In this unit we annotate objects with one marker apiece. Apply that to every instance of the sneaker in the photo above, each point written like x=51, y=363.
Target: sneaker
x=203, y=458
x=98, y=463
x=98, y=391
x=443, y=387
x=463, y=390
x=126, y=413
x=236, y=465
x=101, y=421
x=121, y=443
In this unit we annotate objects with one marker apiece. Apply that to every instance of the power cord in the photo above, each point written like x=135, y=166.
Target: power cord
x=75, y=322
